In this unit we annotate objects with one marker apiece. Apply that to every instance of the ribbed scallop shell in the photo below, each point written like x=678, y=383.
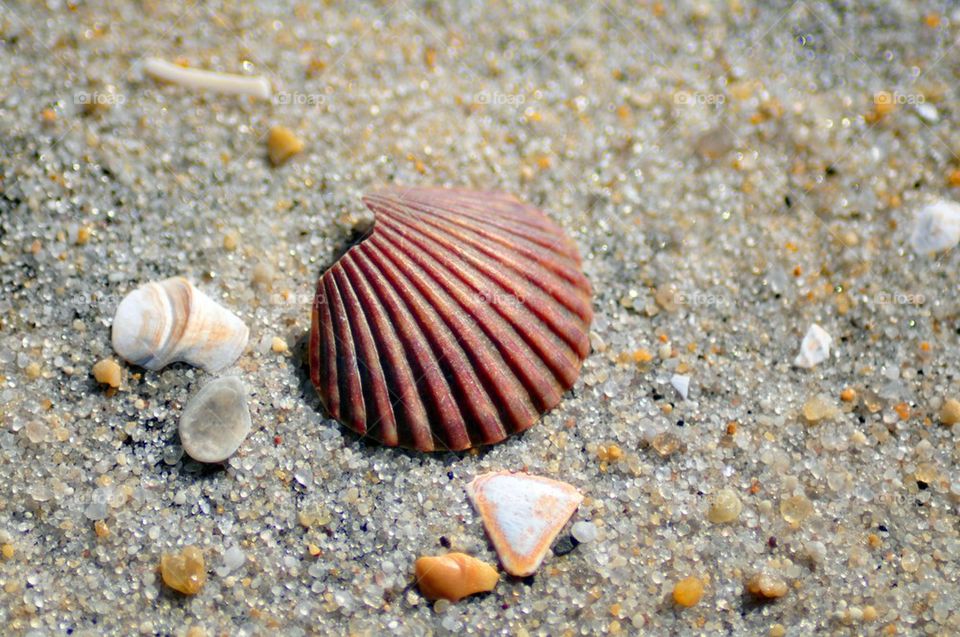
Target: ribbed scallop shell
x=458, y=321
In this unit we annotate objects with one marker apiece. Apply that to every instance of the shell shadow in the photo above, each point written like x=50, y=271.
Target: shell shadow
x=357, y=235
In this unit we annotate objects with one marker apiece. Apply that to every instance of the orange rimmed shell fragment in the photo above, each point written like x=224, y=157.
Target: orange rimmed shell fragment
x=522, y=515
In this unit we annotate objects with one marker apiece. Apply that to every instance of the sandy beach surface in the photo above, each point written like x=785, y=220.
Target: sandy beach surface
x=732, y=172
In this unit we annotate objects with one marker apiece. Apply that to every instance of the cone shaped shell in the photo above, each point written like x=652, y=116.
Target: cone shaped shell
x=171, y=321
x=522, y=515
x=458, y=321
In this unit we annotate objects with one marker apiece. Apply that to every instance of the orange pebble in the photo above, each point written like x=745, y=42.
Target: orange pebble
x=688, y=591
x=903, y=411
x=454, y=576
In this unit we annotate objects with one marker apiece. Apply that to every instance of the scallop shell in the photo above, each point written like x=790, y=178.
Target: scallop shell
x=172, y=321
x=459, y=320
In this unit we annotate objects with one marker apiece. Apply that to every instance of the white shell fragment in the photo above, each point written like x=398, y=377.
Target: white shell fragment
x=937, y=227
x=230, y=83
x=522, y=514
x=216, y=420
x=681, y=383
x=815, y=347
x=170, y=321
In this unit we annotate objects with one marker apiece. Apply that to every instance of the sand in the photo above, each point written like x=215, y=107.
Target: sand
x=732, y=173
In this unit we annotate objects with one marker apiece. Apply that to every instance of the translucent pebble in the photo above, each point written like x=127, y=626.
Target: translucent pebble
x=584, y=531
x=36, y=431
x=185, y=572
x=725, y=506
x=796, y=509
x=819, y=407
x=665, y=444
x=767, y=586
x=98, y=509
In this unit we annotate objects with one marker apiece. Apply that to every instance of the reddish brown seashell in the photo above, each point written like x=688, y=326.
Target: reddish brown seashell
x=458, y=321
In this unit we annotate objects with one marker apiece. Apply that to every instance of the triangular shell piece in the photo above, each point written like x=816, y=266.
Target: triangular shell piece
x=522, y=514
x=458, y=321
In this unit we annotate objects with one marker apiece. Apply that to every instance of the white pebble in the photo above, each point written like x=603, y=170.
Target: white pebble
x=584, y=532
x=233, y=558
x=928, y=112
x=937, y=227
x=215, y=421
x=681, y=383
x=815, y=347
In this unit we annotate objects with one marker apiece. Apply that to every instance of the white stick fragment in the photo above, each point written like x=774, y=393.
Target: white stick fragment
x=815, y=347
x=257, y=86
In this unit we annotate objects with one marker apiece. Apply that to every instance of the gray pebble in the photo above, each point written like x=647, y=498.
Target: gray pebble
x=215, y=421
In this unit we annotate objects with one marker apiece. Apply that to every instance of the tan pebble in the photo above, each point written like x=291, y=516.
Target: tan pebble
x=230, y=241
x=196, y=631
x=688, y=591
x=883, y=103
x=950, y=412
x=101, y=529
x=666, y=444
x=848, y=395
x=796, y=509
x=262, y=275
x=766, y=586
x=83, y=235
x=282, y=144
x=725, y=506
x=36, y=431
x=819, y=408
x=313, y=549
x=279, y=346
x=32, y=371
x=666, y=297
x=454, y=576
x=185, y=572
x=7, y=551
x=306, y=519
x=869, y=613
x=777, y=630
x=48, y=115
x=107, y=372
